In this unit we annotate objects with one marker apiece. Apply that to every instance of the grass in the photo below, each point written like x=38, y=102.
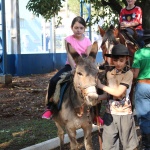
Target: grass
x=18, y=134
x=21, y=134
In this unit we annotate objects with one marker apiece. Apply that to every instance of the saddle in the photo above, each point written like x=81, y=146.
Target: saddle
x=131, y=38
x=61, y=87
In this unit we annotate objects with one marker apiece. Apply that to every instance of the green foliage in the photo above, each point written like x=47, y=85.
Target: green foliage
x=74, y=6
x=110, y=9
x=45, y=8
x=107, y=9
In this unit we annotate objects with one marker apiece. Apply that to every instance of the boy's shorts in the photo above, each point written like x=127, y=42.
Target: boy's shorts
x=119, y=126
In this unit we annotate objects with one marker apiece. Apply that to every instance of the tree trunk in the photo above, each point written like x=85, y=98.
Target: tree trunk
x=146, y=14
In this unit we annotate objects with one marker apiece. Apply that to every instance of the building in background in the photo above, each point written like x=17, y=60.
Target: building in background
x=39, y=40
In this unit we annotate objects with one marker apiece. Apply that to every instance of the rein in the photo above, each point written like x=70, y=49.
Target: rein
x=129, y=42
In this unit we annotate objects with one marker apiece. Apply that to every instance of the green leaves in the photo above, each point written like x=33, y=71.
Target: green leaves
x=107, y=9
x=45, y=8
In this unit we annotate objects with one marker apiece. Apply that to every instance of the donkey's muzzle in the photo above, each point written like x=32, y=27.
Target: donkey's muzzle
x=91, y=95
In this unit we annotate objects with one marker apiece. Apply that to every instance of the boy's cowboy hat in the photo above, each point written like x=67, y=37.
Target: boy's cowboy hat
x=119, y=50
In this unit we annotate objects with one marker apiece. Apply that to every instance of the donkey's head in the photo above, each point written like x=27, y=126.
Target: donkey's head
x=109, y=39
x=85, y=74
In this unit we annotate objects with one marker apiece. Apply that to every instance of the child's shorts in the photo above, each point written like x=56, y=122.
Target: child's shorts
x=119, y=127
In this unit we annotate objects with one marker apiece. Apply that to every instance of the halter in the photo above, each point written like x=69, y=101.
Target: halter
x=84, y=94
x=83, y=89
x=110, y=39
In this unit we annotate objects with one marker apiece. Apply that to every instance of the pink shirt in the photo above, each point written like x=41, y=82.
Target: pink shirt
x=79, y=46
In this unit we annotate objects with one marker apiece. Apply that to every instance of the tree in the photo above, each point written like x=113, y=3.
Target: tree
x=115, y=6
x=45, y=8
x=109, y=9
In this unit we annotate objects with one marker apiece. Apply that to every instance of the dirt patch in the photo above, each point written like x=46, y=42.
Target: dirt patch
x=24, y=97
x=21, y=106
x=23, y=101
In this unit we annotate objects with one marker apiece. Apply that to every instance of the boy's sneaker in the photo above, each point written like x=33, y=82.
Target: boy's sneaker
x=47, y=114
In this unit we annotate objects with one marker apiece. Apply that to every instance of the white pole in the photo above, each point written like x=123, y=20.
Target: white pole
x=44, y=37
x=15, y=28
x=51, y=37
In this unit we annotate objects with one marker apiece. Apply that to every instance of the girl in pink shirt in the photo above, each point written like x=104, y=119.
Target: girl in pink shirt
x=82, y=45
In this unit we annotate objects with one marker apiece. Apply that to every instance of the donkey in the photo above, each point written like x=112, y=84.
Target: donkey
x=76, y=98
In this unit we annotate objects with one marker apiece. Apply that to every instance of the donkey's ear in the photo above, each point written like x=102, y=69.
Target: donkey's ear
x=94, y=51
x=73, y=52
x=101, y=31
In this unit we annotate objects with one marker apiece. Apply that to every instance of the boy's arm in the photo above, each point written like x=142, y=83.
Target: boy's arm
x=102, y=97
x=117, y=92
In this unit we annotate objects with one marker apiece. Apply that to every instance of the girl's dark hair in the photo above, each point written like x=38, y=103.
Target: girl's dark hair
x=78, y=19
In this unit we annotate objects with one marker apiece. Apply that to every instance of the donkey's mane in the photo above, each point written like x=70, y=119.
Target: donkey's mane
x=88, y=62
x=109, y=36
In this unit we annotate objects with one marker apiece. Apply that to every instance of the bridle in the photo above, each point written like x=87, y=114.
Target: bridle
x=84, y=94
x=109, y=40
x=83, y=89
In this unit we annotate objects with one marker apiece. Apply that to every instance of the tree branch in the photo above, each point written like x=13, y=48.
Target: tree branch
x=114, y=4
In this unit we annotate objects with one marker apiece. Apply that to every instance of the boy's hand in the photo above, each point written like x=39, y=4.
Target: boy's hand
x=124, y=25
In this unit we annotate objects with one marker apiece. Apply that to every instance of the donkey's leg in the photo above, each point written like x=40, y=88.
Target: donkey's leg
x=72, y=136
x=60, y=134
x=88, y=137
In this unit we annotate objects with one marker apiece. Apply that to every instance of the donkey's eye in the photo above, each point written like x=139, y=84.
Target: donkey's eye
x=79, y=73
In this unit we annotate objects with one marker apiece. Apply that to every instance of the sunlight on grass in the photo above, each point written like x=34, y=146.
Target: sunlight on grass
x=21, y=133
x=26, y=133
x=5, y=144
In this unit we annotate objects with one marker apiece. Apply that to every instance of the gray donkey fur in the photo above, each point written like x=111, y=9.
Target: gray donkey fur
x=75, y=97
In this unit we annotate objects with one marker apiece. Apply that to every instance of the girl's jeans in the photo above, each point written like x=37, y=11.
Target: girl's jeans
x=53, y=81
x=142, y=106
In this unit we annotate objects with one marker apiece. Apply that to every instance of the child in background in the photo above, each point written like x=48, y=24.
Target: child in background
x=131, y=17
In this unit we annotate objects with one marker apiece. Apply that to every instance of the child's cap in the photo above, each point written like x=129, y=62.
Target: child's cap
x=119, y=50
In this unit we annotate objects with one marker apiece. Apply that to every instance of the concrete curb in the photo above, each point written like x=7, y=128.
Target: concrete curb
x=53, y=143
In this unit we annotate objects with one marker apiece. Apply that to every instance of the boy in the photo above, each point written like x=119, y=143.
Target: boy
x=118, y=118
x=131, y=19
